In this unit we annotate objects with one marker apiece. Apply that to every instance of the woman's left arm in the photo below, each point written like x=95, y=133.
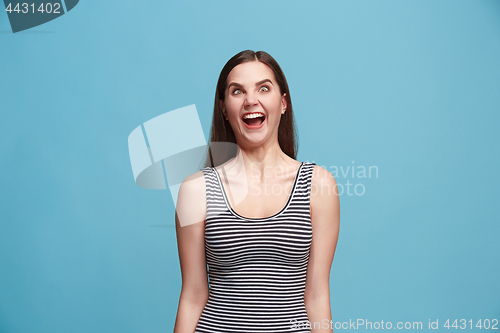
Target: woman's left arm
x=325, y=220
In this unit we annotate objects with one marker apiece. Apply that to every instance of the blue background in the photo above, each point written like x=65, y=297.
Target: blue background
x=411, y=87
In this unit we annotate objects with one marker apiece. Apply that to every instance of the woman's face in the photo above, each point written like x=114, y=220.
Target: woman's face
x=253, y=103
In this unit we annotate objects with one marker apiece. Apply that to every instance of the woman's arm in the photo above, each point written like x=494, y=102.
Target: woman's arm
x=325, y=220
x=190, y=227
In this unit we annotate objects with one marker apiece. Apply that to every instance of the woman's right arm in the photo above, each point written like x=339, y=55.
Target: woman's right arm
x=190, y=227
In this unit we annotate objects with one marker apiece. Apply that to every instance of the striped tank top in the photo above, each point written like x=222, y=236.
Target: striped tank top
x=257, y=266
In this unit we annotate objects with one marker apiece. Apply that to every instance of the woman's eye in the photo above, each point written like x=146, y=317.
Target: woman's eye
x=236, y=92
x=264, y=88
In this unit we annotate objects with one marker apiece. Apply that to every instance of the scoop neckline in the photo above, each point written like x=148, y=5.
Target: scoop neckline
x=228, y=204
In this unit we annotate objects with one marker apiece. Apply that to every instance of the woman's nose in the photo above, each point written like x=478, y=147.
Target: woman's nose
x=250, y=99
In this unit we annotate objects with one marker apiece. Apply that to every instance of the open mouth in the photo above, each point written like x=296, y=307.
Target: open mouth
x=254, y=119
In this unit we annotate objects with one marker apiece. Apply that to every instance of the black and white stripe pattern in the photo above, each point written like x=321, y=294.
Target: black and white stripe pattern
x=257, y=267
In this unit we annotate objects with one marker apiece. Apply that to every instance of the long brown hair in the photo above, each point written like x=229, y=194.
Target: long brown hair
x=222, y=132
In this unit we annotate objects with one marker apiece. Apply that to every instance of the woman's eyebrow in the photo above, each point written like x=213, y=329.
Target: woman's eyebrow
x=257, y=84
x=234, y=84
x=263, y=81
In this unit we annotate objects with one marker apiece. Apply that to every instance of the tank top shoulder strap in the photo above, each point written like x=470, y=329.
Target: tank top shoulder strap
x=215, y=199
x=303, y=186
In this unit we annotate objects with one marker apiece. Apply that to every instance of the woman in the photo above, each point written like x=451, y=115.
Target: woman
x=266, y=224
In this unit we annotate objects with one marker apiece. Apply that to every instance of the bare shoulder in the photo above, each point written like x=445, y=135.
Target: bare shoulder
x=322, y=177
x=324, y=193
x=191, y=199
x=195, y=180
x=193, y=186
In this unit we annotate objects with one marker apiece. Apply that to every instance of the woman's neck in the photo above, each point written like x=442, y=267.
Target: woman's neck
x=256, y=161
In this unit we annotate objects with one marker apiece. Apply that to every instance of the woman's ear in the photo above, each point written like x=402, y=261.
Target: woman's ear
x=223, y=109
x=284, y=104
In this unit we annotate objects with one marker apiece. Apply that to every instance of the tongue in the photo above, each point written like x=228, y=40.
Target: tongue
x=254, y=121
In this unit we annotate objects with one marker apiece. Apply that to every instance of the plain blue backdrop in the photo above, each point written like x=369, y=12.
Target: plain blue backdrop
x=410, y=87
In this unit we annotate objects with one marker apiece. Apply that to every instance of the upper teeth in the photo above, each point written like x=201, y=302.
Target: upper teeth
x=253, y=115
